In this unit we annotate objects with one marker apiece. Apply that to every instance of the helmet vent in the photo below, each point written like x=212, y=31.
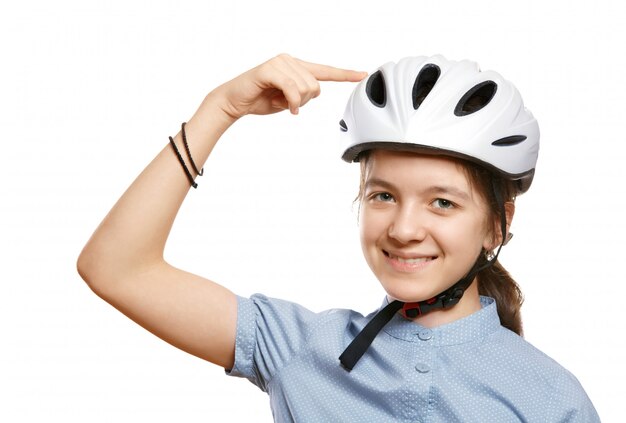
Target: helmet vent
x=476, y=98
x=508, y=141
x=424, y=82
x=342, y=126
x=375, y=89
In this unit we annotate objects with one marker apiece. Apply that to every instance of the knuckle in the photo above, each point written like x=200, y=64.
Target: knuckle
x=289, y=83
x=316, y=90
x=283, y=56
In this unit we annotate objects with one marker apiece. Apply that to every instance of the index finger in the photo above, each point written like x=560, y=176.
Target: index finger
x=330, y=73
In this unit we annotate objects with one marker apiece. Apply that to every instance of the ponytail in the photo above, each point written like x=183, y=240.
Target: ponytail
x=497, y=283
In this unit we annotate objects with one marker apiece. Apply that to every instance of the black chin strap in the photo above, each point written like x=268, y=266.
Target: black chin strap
x=446, y=299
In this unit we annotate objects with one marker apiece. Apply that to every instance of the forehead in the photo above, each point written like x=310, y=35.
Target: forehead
x=413, y=168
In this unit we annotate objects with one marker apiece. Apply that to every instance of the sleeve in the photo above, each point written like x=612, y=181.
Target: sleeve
x=586, y=414
x=572, y=403
x=270, y=332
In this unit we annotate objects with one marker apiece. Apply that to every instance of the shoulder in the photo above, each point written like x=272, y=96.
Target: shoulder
x=522, y=354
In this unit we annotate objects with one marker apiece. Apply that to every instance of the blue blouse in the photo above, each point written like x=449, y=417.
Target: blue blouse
x=470, y=370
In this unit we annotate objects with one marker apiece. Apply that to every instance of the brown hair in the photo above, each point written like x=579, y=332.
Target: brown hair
x=494, y=281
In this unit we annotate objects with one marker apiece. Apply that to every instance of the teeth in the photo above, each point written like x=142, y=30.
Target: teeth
x=412, y=260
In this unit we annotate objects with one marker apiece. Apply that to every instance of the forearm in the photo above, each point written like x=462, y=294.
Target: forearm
x=134, y=232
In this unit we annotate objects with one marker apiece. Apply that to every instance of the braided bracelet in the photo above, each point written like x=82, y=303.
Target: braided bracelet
x=193, y=164
x=182, y=162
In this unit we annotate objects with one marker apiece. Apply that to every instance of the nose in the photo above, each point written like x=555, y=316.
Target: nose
x=408, y=225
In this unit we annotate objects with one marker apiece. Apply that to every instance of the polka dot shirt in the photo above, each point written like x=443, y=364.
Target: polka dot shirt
x=470, y=370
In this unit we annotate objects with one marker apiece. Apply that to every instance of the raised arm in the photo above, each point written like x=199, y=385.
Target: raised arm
x=123, y=261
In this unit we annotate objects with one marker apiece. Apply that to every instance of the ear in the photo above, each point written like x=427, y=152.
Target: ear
x=509, y=210
x=494, y=241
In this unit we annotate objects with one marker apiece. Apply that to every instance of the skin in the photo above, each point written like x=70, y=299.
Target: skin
x=423, y=209
x=123, y=260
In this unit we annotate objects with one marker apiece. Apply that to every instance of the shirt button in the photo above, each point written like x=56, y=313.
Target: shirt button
x=425, y=334
x=422, y=367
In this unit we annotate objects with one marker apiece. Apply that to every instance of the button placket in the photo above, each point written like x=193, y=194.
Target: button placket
x=424, y=335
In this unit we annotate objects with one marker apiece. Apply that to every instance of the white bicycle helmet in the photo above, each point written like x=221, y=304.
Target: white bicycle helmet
x=437, y=106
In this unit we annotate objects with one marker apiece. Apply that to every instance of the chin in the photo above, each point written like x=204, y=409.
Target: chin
x=409, y=294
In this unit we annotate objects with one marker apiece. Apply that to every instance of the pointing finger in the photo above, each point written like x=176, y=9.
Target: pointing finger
x=330, y=73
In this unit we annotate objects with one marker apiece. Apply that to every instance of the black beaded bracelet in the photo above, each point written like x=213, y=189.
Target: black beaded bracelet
x=182, y=163
x=193, y=164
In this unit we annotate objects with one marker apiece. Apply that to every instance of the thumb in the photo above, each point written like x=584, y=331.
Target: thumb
x=279, y=103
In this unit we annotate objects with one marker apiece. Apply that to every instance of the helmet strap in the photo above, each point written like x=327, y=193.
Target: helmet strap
x=446, y=299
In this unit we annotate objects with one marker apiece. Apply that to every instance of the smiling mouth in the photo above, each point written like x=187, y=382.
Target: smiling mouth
x=404, y=260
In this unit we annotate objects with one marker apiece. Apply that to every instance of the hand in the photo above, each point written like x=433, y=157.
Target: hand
x=281, y=83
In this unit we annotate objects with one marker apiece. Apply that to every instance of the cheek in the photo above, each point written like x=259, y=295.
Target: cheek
x=466, y=236
x=480, y=234
x=371, y=227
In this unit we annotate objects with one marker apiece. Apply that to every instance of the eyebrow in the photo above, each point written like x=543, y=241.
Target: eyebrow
x=379, y=183
x=446, y=189
x=435, y=189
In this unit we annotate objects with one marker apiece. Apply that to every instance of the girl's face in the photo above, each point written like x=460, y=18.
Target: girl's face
x=422, y=223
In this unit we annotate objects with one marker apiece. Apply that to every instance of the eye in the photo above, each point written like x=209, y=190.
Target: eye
x=384, y=197
x=442, y=203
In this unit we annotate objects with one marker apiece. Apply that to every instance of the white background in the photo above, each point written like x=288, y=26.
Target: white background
x=89, y=92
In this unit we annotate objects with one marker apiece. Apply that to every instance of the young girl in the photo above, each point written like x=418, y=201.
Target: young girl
x=444, y=149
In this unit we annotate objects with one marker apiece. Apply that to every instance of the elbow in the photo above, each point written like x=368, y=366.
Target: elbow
x=86, y=266
x=94, y=267
x=104, y=272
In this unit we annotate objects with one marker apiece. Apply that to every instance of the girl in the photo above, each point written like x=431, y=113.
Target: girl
x=444, y=149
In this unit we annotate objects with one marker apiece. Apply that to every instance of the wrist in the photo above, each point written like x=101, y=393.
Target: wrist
x=218, y=106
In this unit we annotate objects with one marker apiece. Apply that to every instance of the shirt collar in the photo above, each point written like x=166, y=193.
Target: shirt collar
x=471, y=328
